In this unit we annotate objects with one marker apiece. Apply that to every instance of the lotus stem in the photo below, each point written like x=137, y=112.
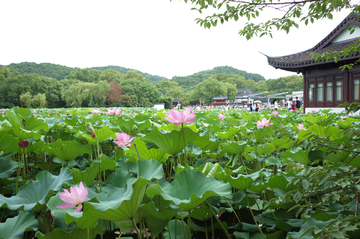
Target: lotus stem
x=183, y=225
x=217, y=219
x=136, y=229
x=233, y=210
x=102, y=230
x=137, y=151
x=168, y=228
x=252, y=214
x=185, y=155
x=189, y=224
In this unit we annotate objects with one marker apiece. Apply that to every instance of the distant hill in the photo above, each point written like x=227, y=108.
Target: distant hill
x=45, y=69
x=60, y=72
x=189, y=81
x=123, y=70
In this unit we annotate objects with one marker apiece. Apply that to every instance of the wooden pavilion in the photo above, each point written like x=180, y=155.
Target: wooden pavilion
x=325, y=84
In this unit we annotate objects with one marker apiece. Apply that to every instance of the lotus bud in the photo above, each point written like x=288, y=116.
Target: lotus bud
x=23, y=122
x=90, y=130
x=93, y=134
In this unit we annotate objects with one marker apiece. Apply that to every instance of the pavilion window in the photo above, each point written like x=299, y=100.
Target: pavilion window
x=320, y=92
x=356, y=89
x=329, y=91
x=311, y=92
x=338, y=92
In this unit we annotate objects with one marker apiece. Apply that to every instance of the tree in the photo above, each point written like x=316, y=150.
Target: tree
x=291, y=13
x=208, y=89
x=166, y=85
x=26, y=99
x=39, y=100
x=116, y=94
x=231, y=91
x=140, y=90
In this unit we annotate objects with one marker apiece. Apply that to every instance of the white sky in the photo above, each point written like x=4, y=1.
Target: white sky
x=158, y=37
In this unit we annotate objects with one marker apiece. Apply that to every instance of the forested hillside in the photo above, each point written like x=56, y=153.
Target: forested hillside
x=187, y=82
x=60, y=72
x=123, y=70
x=48, y=85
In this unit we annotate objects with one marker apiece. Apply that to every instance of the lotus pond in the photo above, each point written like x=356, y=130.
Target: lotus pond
x=142, y=173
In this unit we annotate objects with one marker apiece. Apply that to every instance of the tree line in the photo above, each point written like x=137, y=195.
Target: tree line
x=110, y=88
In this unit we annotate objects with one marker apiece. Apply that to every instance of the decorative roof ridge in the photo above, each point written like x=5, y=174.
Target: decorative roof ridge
x=337, y=30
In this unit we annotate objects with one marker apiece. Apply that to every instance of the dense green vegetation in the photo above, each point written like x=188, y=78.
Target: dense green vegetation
x=148, y=174
x=54, y=86
x=187, y=82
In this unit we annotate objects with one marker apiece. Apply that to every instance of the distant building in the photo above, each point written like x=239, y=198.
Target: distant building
x=241, y=99
x=325, y=85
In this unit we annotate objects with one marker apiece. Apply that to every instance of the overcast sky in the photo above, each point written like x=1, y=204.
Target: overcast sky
x=158, y=37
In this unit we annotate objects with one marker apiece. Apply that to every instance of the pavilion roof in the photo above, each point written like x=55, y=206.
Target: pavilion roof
x=295, y=62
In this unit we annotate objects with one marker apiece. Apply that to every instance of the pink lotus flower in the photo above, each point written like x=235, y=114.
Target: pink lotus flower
x=123, y=139
x=275, y=113
x=114, y=112
x=206, y=125
x=221, y=116
x=34, y=111
x=74, y=198
x=177, y=118
x=343, y=117
x=313, y=111
x=300, y=127
x=97, y=111
x=264, y=122
x=351, y=112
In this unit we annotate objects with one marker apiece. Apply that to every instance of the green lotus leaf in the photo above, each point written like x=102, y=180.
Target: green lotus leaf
x=243, y=181
x=150, y=169
x=76, y=233
x=233, y=147
x=337, y=156
x=172, y=143
x=117, y=205
x=345, y=123
x=35, y=194
x=7, y=168
x=176, y=230
x=191, y=188
x=8, y=143
x=297, y=155
x=228, y=134
x=265, y=149
x=26, y=120
x=125, y=125
x=165, y=213
x=89, y=174
x=23, y=134
x=283, y=143
x=102, y=135
x=202, y=213
x=144, y=152
x=14, y=228
x=68, y=150
x=146, y=124
x=155, y=225
x=280, y=182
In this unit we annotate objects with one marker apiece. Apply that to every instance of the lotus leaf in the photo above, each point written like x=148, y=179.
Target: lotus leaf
x=191, y=188
x=34, y=195
x=14, y=228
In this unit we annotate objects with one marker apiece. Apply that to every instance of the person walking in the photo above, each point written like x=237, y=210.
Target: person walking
x=276, y=105
x=297, y=103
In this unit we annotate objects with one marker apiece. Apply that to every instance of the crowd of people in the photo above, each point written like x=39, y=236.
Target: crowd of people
x=292, y=105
